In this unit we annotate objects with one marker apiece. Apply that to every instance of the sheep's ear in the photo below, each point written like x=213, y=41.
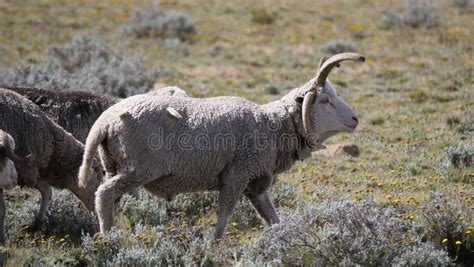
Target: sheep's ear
x=299, y=100
x=321, y=61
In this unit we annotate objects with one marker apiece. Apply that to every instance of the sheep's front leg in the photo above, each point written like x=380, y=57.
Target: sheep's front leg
x=264, y=206
x=228, y=196
x=3, y=212
x=46, y=193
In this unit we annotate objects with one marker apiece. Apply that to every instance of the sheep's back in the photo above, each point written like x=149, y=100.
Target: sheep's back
x=74, y=111
x=29, y=127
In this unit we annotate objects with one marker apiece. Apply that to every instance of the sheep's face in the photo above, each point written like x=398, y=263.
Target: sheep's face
x=86, y=193
x=8, y=174
x=331, y=114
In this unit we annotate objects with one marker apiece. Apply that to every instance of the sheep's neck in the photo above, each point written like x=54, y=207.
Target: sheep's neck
x=288, y=138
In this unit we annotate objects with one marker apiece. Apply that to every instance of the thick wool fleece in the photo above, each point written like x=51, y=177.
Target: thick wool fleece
x=75, y=111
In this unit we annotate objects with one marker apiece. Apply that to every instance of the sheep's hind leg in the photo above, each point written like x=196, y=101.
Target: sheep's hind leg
x=106, y=196
x=3, y=212
x=264, y=206
x=46, y=193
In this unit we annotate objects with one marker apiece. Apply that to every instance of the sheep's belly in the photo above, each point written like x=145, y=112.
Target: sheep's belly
x=169, y=186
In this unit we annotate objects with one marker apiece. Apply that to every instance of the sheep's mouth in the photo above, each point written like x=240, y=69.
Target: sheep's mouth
x=350, y=128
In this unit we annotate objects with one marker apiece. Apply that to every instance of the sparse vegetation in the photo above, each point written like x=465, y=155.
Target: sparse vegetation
x=86, y=64
x=458, y=165
x=461, y=3
x=262, y=16
x=272, y=90
x=338, y=46
x=391, y=19
x=420, y=13
x=343, y=233
x=377, y=120
x=419, y=95
x=417, y=13
x=158, y=22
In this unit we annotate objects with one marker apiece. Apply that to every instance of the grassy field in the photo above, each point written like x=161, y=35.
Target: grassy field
x=414, y=97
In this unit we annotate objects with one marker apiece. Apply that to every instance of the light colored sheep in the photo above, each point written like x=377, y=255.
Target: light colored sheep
x=227, y=144
x=56, y=154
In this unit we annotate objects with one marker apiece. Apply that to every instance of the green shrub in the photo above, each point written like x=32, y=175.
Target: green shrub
x=419, y=95
x=338, y=46
x=342, y=233
x=377, y=120
x=85, y=64
x=262, y=16
x=461, y=3
x=391, y=19
x=272, y=90
x=420, y=13
x=448, y=226
x=157, y=22
x=417, y=13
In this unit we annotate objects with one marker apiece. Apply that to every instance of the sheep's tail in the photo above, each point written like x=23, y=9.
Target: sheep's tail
x=94, y=139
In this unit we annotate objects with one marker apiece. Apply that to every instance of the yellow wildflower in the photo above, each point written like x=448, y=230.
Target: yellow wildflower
x=445, y=240
x=171, y=229
x=458, y=242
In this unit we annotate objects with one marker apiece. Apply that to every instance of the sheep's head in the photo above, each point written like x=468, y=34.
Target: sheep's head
x=325, y=114
x=8, y=174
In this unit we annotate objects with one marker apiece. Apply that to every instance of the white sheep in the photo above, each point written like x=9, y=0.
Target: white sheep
x=179, y=144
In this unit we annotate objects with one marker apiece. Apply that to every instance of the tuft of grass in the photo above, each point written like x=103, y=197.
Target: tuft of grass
x=338, y=46
x=391, y=19
x=377, y=120
x=262, y=16
x=461, y=155
x=272, y=90
x=447, y=225
x=419, y=95
x=458, y=165
x=465, y=127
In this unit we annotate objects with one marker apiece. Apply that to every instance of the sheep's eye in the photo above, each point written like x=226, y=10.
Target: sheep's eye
x=324, y=100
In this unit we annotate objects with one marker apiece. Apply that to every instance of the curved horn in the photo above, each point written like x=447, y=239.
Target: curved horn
x=8, y=149
x=312, y=139
x=332, y=62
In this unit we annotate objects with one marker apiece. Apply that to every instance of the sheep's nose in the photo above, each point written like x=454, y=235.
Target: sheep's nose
x=355, y=119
